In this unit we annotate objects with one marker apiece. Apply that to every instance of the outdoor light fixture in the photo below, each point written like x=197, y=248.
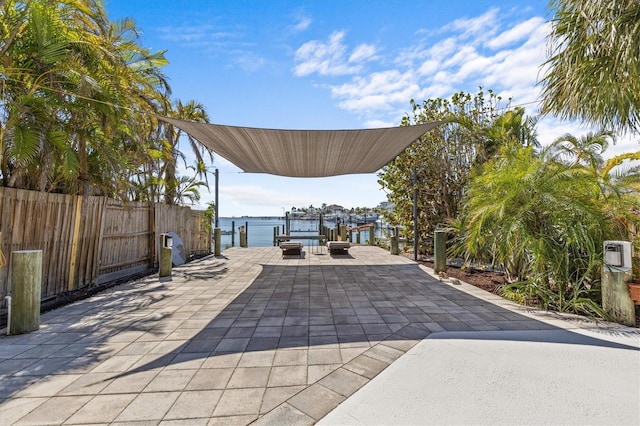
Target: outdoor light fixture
x=166, y=240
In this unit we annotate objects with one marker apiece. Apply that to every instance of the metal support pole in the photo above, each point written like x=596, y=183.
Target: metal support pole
x=415, y=214
x=233, y=233
x=246, y=234
x=217, y=223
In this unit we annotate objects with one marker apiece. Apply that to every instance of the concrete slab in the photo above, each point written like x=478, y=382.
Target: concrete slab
x=504, y=377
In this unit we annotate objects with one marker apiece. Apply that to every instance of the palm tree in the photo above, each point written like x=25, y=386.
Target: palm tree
x=67, y=73
x=193, y=111
x=586, y=150
x=543, y=217
x=592, y=72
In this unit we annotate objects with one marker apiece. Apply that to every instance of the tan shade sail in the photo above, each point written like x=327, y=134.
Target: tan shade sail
x=304, y=153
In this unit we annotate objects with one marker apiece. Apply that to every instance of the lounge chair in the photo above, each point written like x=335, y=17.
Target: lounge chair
x=338, y=247
x=291, y=248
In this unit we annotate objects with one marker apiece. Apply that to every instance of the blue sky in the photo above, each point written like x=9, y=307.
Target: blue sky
x=338, y=65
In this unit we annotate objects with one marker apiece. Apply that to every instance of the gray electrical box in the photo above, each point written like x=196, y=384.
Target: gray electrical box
x=617, y=254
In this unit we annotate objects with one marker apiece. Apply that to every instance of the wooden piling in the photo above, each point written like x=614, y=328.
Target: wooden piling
x=166, y=261
x=26, y=287
x=216, y=237
x=243, y=236
x=616, y=301
x=394, y=246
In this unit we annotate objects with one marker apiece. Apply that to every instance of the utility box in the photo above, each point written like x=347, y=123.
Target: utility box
x=166, y=241
x=617, y=255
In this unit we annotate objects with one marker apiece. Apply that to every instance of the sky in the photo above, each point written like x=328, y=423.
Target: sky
x=336, y=64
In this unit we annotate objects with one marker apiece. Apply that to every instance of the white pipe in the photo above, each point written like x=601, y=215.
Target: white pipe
x=8, y=299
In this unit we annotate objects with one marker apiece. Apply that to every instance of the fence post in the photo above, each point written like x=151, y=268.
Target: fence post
x=74, y=243
x=440, y=251
x=26, y=287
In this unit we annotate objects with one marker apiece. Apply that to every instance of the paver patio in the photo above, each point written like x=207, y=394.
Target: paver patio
x=246, y=337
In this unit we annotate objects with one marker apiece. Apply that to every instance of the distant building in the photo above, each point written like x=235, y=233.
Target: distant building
x=386, y=206
x=335, y=209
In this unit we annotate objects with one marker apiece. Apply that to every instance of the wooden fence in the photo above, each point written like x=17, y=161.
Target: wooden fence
x=87, y=241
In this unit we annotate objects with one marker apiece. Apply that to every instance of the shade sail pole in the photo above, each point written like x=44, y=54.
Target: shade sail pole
x=217, y=222
x=415, y=213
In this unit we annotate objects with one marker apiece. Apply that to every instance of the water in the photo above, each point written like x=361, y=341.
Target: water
x=260, y=230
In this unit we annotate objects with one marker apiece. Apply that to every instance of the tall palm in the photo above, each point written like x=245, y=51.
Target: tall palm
x=586, y=150
x=193, y=111
x=592, y=71
x=68, y=72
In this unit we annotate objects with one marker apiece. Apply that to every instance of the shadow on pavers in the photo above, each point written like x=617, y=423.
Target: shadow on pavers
x=300, y=306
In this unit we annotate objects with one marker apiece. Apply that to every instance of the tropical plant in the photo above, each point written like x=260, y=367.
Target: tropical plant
x=594, y=58
x=445, y=157
x=78, y=99
x=67, y=73
x=192, y=111
x=543, y=217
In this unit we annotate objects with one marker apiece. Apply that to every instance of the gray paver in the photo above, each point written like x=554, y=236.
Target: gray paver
x=170, y=380
x=285, y=415
x=210, y=378
x=249, y=377
x=239, y=402
x=148, y=406
x=109, y=407
x=288, y=376
x=316, y=401
x=54, y=410
x=344, y=382
x=194, y=404
x=275, y=396
x=365, y=366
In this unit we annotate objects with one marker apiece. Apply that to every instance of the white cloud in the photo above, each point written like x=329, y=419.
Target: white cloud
x=193, y=34
x=377, y=91
x=364, y=52
x=477, y=28
x=248, y=61
x=303, y=23
x=519, y=32
x=492, y=50
x=330, y=58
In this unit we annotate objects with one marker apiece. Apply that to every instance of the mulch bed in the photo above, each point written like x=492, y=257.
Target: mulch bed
x=486, y=280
